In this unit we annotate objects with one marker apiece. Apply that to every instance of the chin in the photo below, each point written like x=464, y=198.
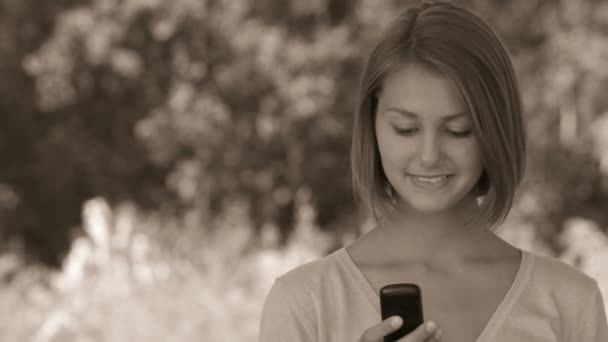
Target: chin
x=432, y=205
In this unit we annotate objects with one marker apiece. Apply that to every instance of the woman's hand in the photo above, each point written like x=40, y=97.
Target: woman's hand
x=426, y=332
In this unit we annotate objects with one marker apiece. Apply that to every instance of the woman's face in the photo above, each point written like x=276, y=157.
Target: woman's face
x=428, y=149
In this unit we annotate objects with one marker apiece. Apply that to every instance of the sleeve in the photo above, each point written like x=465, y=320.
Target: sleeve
x=593, y=323
x=285, y=317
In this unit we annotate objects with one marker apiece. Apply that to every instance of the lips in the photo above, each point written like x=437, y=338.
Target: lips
x=430, y=181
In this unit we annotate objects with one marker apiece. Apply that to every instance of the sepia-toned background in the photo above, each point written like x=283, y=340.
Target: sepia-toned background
x=161, y=162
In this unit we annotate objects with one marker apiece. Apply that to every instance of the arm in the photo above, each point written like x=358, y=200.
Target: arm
x=593, y=323
x=286, y=317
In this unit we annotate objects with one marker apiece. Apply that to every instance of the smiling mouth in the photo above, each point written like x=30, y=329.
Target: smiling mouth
x=430, y=181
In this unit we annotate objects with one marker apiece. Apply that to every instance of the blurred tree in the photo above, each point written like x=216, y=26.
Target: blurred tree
x=196, y=105
x=29, y=202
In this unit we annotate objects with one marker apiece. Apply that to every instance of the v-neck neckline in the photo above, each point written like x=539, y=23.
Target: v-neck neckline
x=495, y=321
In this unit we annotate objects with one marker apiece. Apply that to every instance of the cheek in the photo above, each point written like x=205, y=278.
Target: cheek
x=469, y=156
x=383, y=142
x=393, y=149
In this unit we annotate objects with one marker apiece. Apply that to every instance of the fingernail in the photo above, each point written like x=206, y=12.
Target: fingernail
x=431, y=326
x=396, y=322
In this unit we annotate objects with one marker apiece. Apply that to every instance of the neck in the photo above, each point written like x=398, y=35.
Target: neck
x=411, y=235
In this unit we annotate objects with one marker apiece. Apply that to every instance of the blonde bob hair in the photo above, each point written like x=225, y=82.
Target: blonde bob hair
x=462, y=47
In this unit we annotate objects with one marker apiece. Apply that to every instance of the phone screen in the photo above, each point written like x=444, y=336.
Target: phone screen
x=403, y=300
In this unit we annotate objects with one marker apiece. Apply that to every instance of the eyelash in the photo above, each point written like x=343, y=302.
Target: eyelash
x=410, y=131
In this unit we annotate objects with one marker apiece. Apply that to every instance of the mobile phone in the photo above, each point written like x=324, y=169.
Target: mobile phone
x=403, y=300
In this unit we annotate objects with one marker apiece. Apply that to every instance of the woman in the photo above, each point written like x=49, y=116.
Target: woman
x=438, y=152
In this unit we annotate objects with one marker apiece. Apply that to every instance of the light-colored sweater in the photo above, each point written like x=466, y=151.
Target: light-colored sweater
x=330, y=300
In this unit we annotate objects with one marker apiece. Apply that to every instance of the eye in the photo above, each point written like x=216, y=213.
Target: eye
x=405, y=131
x=459, y=133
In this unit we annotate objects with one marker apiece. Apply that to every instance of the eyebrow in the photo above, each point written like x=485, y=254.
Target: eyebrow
x=415, y=116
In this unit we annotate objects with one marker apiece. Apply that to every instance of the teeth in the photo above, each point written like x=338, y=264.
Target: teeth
x=430, y=180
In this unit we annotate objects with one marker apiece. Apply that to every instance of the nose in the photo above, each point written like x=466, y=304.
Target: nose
x=430, y=151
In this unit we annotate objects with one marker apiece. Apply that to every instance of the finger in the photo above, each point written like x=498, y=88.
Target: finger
x=382, y=329
x=436, y=337
x=422, y=333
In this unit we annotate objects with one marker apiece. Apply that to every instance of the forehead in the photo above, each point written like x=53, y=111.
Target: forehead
x=421, y=91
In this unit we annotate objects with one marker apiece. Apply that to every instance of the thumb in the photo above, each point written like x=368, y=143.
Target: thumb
x=382, y=329
x=422, y=333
